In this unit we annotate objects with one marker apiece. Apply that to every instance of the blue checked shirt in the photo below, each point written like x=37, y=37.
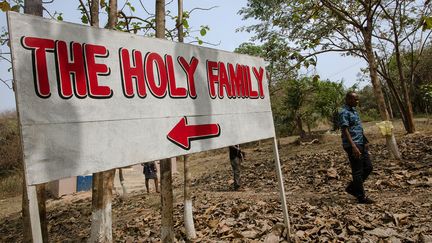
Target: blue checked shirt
x=348, y=117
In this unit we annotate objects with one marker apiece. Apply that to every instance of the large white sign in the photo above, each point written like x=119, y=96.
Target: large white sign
x=92, y=99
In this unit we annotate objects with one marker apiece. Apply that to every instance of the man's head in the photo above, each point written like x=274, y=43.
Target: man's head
x=351, y=99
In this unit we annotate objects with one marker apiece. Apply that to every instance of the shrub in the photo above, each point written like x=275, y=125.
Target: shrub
x=370, y=115
x=10, y=146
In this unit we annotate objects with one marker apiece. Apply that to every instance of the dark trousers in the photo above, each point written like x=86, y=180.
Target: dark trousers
x=235, y=164
x=360, y=170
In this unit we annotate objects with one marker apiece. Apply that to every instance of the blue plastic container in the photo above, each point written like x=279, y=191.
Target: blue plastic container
x=84, y=183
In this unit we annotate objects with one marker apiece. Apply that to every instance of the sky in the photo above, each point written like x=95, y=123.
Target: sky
x=223, y=22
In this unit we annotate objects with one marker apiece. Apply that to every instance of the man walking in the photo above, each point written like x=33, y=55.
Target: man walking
x=150, y=172
x=355, y=144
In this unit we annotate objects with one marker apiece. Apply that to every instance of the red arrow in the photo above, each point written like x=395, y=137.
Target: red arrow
x=182, y=133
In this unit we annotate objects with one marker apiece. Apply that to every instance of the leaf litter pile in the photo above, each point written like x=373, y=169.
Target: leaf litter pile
x=315, y=176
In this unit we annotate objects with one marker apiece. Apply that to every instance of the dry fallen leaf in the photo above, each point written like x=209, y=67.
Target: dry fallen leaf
x=382, y=232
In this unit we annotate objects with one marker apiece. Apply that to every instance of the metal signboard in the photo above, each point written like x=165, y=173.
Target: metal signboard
x=91, y=99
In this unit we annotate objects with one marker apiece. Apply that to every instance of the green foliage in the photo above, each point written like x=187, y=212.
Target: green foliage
x=251, y=49
x=370, y=115
x=329, y=98
x=426, y=93
x=4, y=6
x=132, y=8
x=366, y=99
x=204, y=30
x=305, y=100
x=278, y=56
x=301, y=24
x=15, y=5
x=426, y=22
x=417, y=73
x=60, y=17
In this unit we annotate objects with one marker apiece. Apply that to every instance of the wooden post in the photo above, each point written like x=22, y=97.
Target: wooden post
x=281, y=187
x=34, y=214
x=41, y=197
x=34, y=7
x=27, y=233
x=30, y=212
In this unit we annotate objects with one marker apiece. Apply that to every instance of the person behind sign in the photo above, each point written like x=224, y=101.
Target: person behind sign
x=236, y=157
x=150, y=172
x=355, y=144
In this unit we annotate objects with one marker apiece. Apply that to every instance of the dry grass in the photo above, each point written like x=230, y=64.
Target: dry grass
x=10, y=156
x=11, y=185
x=10, y=149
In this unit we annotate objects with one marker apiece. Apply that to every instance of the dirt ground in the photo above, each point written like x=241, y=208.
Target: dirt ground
x=315, y=176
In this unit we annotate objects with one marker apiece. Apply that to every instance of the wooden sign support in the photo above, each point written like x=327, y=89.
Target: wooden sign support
x=34, y=214
x=281, y=187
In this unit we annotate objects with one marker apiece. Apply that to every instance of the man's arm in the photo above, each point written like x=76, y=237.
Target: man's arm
x=347, y=134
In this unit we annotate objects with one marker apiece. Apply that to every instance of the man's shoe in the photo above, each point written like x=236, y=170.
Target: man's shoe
x=237, y=188
x=349, y=190
x=365, y=200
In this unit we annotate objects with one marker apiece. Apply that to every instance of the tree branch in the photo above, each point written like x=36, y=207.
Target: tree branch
x=383, y=38
x=205, y=42
x=124, y=5
x=85, y=10
x=142, y=5
x=341, y=13
x=5, y=83
x=204, y=9
x=4, y=58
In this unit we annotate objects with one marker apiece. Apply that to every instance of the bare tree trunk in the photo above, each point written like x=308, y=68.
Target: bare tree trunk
x=180, y=20
x=389, y=105
x=399, y=102
x=188, y=207
x=409, y=111
x=300, y=126
x=34, y=7
x=167, y=221
x=101, y=227
x=160, y=19
x=103, y=182
x=94, y=13
x=112, y=17
x=373, y=70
